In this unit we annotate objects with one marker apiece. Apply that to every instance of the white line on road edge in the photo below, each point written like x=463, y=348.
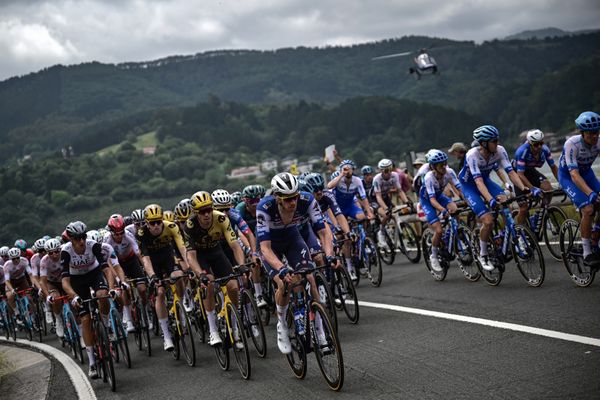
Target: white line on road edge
x=488, y=322
x=78, y=378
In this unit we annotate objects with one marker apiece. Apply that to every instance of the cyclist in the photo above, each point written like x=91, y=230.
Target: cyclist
x=434, y=201
x=137, y=221
x=25, y=251
x=155, y=240
x=251, y=195
x=40, y=252
x=204, y=231
x=345, y=187
x=84, y=267
x=3, y=254
x=278, y=218
x=50, y=280
x=529, y=156
x=479, y=189
x=17, y=276
x=578, y=179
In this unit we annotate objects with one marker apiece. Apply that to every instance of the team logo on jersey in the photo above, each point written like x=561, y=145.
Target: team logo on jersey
x=171, y=226
x=140, y=232
x=221, y=218
x=189, y=223
x=260, y=220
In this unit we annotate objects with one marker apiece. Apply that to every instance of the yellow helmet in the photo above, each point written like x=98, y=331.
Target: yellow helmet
x=169, y=216
x=153, y=212
x=200, y=200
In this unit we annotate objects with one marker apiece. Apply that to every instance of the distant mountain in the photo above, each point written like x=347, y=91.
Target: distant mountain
x=549, y=32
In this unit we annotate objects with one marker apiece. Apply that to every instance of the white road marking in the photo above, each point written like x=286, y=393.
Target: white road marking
x=84, y=389
x=488, y=322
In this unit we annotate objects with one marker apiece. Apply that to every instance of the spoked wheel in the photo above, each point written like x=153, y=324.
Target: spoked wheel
x=464, y=254
x=553, y=220
x=186, y=337
x=373, y=262
x=197, y=320
x=105, y=361
x=28, y=323
x=252, y=324
x=72, y=330
x=572, y=254
x=122, y=344
x=426, y=246
x=528, y=256
x=13, y=326
x=176, y=353
x=409, y=243
x=327, y=348
x=222, y=349
x=38, y=320
x=326, y=297
x=145, y=328
x=345, y=293
x=493, y=277
x=240, y=345
x=388, y=253
x=269, y=296
x=136, y=318
x=297, y=358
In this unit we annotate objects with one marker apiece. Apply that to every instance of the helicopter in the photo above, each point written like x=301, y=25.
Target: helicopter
x=425, y=64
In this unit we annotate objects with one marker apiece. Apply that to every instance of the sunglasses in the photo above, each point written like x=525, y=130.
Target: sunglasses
x=494, y=141
x=120, y=233
x=154, y=223
x=537, y=144
x=53, y=252
x=290, y=199
x=386, y=170
x=15, y=260
x=204, y=211
x=252, y=201
x=79, y=237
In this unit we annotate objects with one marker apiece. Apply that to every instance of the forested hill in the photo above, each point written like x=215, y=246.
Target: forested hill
x=54, y=106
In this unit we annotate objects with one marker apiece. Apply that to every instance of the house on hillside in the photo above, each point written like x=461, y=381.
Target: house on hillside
x=246, y=172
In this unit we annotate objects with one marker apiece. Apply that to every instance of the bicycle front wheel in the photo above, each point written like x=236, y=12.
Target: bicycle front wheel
x=253, y=326
x=493, y=277
x=528, y=256
x=345, y=293
x=104, y=358
x=240, y=345
x=373, y=262
x=184, y=332
x=409, y=243
x=572, y=254
x=327, y=347
x=388, y=253
x=426, y=247
x=326, y=297
x=297, y=358
x=553, y=220
x=465, y=255
x=121, y=337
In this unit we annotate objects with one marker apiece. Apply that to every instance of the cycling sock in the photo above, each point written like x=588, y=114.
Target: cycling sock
x=90, y=353
x=587, y=247
x=319, y=323
x=212, y=321
x=57, y=317
x=483, y=247
x=349, y=264
x=434, y=251
x=282, y=313
x=258, y=289
x=127, y=312
x=164, y=327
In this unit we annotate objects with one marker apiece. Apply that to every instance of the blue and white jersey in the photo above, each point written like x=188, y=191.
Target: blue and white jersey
x=328, y=202
x=578, y=155
x=346, y=190
x=270, y=226
x=432, y=187
x=525, y=159
x=476, y=166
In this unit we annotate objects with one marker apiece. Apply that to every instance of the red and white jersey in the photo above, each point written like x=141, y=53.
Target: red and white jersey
x=51, y=269
x=14, y=271
x=109, y=254
x=125, y=250
x=35, y=264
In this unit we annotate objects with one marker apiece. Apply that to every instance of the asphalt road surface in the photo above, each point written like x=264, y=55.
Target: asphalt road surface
x=392, y=354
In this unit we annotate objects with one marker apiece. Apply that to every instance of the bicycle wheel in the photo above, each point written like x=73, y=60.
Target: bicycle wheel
x=528, y=256
x=239, y=343
x=122, y=344
x=13, y=327
x=74, y=337
x=186, y=337
x=373, y=262
x=572, y=254
x=136, y=319
x=5, y=323
x=198, y=319
x=38, y=320
x=326, y=297
x=269, y=296
x=553, y=220
x=104, y=356
x=388, y=253
x=145, y=327
x=221, y=350
x=252, y=324
x=113, y=340
x=464, y=254
x=426, y=247
x=27, y=321
x=327, y=348
x=493, y=277
x=345, y=293
x=176, y=353
x=297, y=357
x=409, y=243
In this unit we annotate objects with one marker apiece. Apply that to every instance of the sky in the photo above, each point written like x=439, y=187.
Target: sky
x=36, y=34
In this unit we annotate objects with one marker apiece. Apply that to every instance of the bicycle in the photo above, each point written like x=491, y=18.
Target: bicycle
x=104, y=360
x=305, y=338
x=9, y=324
x=455, y=245
x=342, y=288
x=231, y=336
x=524, y=248
x=250, y=314
x=400, y=236
x=72, y=335
x=365, y=254
x=118, y=338
x=179, y=324
x=31, y=320
x=198, y=313
x=139, y=316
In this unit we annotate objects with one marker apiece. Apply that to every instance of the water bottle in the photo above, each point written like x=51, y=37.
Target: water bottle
x=299, y=314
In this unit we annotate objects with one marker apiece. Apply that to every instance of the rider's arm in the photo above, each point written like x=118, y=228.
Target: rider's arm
x=483, y=189
x=326, y=240
x=269, y=255
x=334, y=182
x=193, y=262
x=398, y=186
x=65, y=260
x=231, y=238
x=176, y=234
x=514, y=177
x=380, y=201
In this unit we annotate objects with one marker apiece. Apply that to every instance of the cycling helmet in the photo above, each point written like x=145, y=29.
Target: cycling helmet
x=304, y=186
x=367, y=169
x=39, y=244
x=183, y=210
x=15, y=252
x=116, y=223
x=334, y=175
x=588, y=121
x=153, y=212
x=52, y=245
x=21, y=244
x=168, y=215
x=384, y=163
x=436, y=157
x=486, y=133
x=76, y=229
x=95, y=236
x=236, y=198
x=253, y=192
x=316, y=181
x=137, y=216
x=347, y=162
x=4, y=251
x=535, y=135
x=221, y=199
x=474, y=143
x=201, y=199
x=284, y=184
x=127, y=220
x=303, y=175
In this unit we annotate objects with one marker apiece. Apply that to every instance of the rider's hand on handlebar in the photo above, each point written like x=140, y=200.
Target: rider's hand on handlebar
x=77, y=301
x=493, y=203
x=593, y=198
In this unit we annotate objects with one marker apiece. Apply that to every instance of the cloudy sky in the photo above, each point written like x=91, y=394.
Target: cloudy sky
x=35, y=34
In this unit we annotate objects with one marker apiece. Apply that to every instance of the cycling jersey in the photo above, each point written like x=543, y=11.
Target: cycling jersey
x=525, y=159
x=418, y=179
x=432, y=186
x=385, y=186
x=237, y=221
x=476, y=166
x=247, y=216
x=328, y=202
x=197, y=237
x=127, y=249
x=109, y=254
x=34, y=262
x=577, y=155
x=131, y=229
x=51, y=269
x=15, y=272
x=2, y=277
x=346, y=190
x=75, y=264
x=160, y=245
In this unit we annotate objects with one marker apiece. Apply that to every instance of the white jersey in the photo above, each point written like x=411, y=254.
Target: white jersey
x=51, y=269
x=384, y=186
x=109, y=253
x=80, y=264
x=2, y=278
x=131, y=229
x=17, y=271
x=346, y=190
x=125, y=250
x=35, y=264
x=578, y=155
x=476, y=166
x=434, y=186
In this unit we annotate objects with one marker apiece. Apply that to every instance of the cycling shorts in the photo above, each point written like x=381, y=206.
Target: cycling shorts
x=578, y=198
x=351, y=210
x=81, y=284
x=294, y=249
x=430, y=212
x=473, y=197
x=215, y=261
x=132, y=268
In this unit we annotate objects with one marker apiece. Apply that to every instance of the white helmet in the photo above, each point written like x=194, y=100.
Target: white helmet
x=52, y=244
x=96, y=236
x=39, y=244
x=284, y=183
x=221, y=198
x=384, y=163
x=15, y=252
x=535, y=135
x=4, y=251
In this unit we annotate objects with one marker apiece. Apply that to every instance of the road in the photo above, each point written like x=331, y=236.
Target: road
x=391, y=354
